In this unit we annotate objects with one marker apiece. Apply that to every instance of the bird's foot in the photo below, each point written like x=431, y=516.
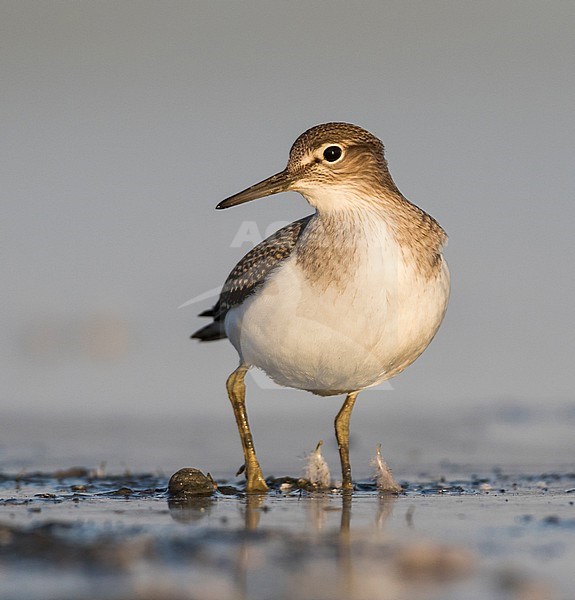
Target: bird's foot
x=255, y=482
x=347, y=486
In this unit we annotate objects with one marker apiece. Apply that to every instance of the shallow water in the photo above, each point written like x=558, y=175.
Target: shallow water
x=464, y=529
x=89, y=535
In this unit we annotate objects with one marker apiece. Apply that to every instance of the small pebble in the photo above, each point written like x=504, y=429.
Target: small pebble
x=190, y=482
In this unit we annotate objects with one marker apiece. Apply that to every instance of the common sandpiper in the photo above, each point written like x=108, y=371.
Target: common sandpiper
x=340, y=300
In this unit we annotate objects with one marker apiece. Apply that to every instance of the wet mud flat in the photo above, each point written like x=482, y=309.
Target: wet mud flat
x=82, y=533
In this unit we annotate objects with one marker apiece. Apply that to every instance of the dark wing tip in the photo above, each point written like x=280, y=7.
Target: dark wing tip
x=211, y=332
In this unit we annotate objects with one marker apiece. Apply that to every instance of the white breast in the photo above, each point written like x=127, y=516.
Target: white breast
x=308, y=334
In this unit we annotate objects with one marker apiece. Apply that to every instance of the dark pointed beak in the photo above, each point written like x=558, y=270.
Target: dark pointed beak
x=280, y=182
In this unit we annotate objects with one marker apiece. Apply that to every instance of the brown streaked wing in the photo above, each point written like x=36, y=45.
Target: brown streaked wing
x=249, y=274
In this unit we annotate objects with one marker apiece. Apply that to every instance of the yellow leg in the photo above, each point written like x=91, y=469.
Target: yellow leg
x=255, y=481
x=342, y=435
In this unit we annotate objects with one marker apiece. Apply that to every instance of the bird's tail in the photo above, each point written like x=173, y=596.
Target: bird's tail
x=208, y=333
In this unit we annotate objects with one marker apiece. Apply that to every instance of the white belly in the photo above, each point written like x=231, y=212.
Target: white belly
x=333, y=340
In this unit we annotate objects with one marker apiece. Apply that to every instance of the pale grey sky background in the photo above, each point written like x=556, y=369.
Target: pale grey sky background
x=124, y=123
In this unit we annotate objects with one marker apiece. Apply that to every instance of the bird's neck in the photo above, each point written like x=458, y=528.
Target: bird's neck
x=354, y=226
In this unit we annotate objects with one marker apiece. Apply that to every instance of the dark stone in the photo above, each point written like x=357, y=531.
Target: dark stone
x=190, y=482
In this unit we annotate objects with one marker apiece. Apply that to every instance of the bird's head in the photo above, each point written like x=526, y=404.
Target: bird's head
x=333, y=166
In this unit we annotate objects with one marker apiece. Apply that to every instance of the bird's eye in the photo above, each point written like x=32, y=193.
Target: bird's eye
x=332, y=153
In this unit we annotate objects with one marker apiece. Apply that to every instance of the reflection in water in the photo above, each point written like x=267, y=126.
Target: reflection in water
x=253, y=510
x=344, y=556
x=189, y=510
x=324, y=548
x=385, y=504
x=247, y=552
x=349, y=581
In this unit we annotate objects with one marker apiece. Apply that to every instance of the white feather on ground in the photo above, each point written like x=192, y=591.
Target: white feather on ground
x=383, y=475
x=317, y=469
